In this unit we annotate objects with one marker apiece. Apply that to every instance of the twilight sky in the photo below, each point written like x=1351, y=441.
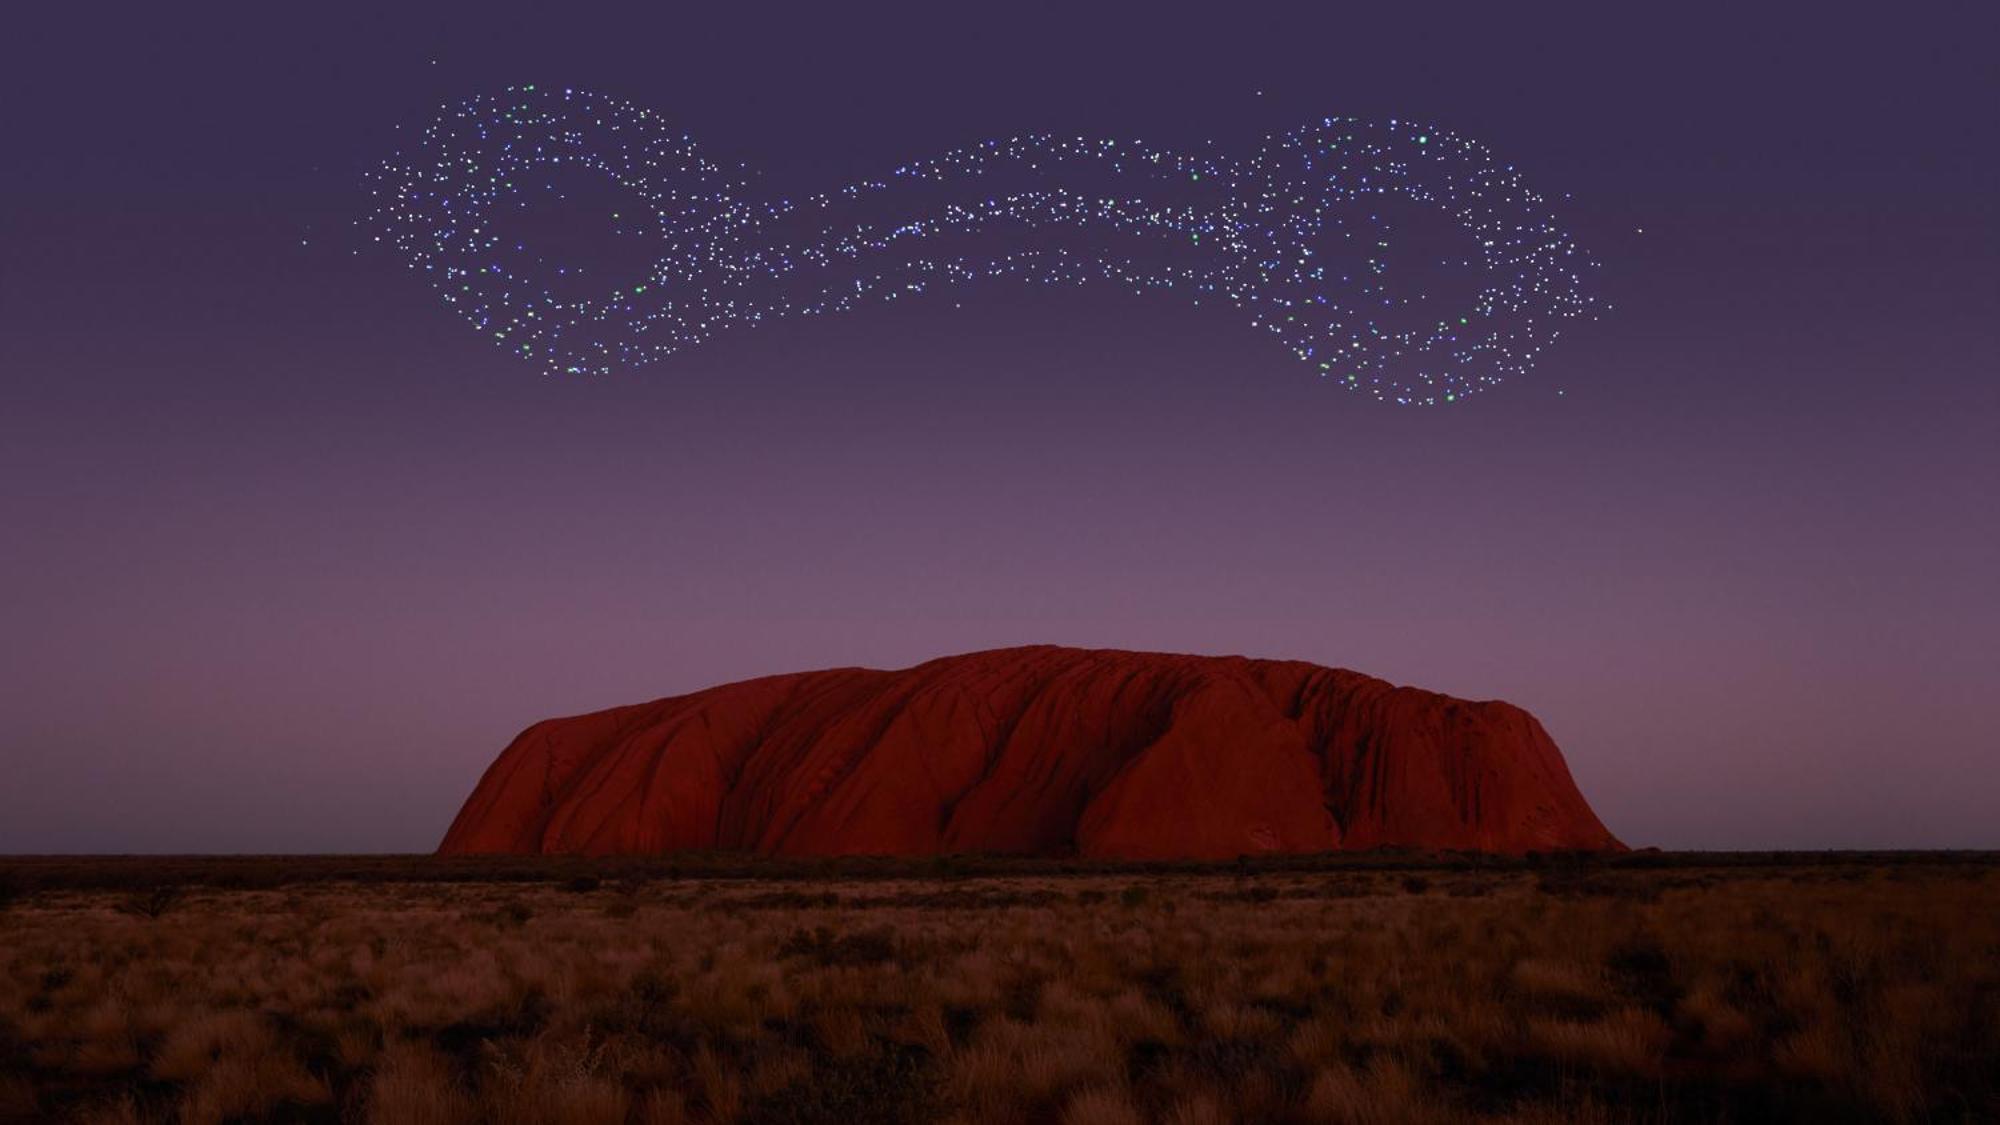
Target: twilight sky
x=288, y=553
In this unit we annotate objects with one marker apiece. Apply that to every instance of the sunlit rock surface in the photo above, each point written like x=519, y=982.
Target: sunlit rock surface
x=1040, y=751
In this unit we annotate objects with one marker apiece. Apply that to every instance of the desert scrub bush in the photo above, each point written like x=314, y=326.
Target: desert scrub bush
x=824, y=947
x=152, y=903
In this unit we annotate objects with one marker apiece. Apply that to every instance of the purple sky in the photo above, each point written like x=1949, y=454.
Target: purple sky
x=287, y=553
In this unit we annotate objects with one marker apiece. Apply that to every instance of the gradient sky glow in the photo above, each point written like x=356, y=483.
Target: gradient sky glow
x=287, y=553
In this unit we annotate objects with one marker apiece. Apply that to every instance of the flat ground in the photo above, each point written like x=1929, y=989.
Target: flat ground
x=1343, y=989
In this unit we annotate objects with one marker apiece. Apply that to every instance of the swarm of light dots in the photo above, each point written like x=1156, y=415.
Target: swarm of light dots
x=1305, y=237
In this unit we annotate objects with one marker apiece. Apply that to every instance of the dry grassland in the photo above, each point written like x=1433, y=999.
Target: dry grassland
x=1830, y=992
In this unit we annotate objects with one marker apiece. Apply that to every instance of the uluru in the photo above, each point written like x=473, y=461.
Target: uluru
x=1042, y=751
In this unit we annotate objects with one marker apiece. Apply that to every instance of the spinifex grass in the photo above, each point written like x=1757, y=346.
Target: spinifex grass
x=1856, y=991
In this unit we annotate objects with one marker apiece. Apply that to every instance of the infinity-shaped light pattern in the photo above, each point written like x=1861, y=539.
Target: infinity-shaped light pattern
x=1301, y=236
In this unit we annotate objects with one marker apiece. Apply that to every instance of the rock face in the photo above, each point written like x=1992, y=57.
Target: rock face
x=1040, y=751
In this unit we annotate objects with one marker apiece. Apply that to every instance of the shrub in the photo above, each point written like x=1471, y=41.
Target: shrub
x=153, y=903
x=822, y=946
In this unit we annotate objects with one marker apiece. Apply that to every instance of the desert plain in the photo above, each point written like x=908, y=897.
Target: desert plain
x=1349, y=988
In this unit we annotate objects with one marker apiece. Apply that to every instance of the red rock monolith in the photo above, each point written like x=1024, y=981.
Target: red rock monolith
x=1037, y=751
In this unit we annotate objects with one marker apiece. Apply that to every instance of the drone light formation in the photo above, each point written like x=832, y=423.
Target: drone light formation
x=1395, y=259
